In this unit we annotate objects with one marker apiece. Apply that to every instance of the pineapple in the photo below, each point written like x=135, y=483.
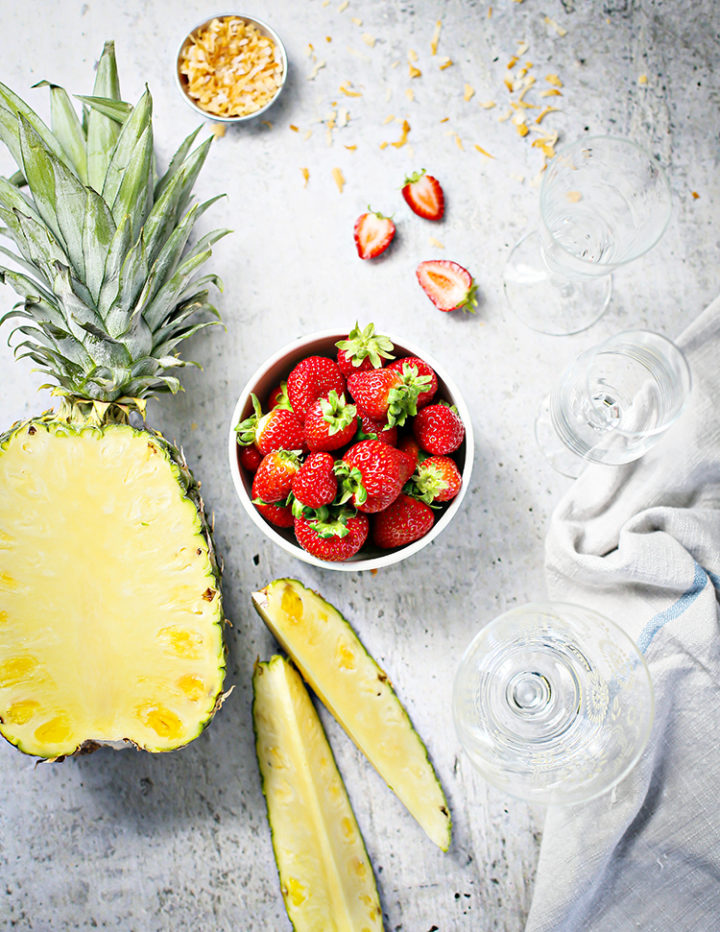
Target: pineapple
x=110, y=609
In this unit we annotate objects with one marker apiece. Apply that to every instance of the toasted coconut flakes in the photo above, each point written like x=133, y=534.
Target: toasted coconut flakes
x=347, y=90
x=543, y=113
x=383, y=145
x=508, y=84
x=357, y=20
x=487, y=104
x=436, y=243
x=458, y=141
x=294, y=128
x=446, y=63
x=522, y=129
x=328, y=136
x=553, y=25
x=308, y=134
x=316, y=67
x=403, y=136
x=505, y=116
x=469, y=92
x=351, y=148
x=554, y=80
x=231, y=68
x=395, y=64
x=544, y=146
x=267, y=123
x=511, y=64
x=413, y=71
x=410, y=94
x=343, y=6
x=642, y=79
x=435, y=38
x=328, y=38
x=306, y=175
x=483, y=151
x=412, y=55
x=338, y=178
x=551, y=92
x=521, y=49
x=444, y=119
x=489, y=12
x=695, y=195
x=343, y=117
x=310, y=50
x=368, y=39
x=388, y=119
x=573, y=196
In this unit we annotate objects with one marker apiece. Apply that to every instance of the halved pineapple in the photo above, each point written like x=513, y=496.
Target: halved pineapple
x=326, y=878
x=359, y=694
x=110, y=616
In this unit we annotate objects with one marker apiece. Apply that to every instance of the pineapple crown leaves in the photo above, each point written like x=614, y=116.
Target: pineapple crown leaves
x=102, y=259
x=366, y=343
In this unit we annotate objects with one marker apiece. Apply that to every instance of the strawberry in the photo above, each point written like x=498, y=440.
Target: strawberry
x=312, y=378
x=424, y=195
x=373, y=474
x=407, y=466
x=448, y=285
x=387, y=395
x=279, y=429
x=373, y=234
x=363, y=349
x=376, y=430
x=273, y=478
x=336, y=537
x=330, y=423
x=409, y=446
x=314, y=484
x=404, y=521
x=437, y=480
x=250, y=457
x=278, y=396
x=421, y=368
x=279, y=515
x=438, y=429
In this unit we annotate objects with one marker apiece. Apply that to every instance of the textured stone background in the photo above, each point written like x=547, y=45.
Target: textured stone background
x=180, y=842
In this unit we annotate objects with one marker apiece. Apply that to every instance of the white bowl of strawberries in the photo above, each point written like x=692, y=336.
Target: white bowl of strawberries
x=351, y=456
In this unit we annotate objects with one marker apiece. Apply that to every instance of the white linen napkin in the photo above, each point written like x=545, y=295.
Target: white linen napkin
x=641, y=544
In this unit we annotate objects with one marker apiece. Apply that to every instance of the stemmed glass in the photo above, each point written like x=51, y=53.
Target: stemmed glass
x=603, y=203
x=553, y=703
x=613, y=402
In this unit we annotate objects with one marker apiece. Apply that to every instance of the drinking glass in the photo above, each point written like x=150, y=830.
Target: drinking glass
x=553, y=703
x=613, y=402
x=603, y=202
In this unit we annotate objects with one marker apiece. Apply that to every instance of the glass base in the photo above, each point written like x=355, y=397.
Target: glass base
x=547, y=302
x=560, y=457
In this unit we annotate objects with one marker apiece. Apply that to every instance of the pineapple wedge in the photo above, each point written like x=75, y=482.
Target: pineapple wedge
x=334, y=662
x=326, y=878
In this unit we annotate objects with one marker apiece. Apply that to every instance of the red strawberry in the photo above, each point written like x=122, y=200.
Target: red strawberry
x=407, y=467
x=377, y=430
x=387, y=395
x=279, y=515
x=448, y=285
x=279, y=429
x=409, y=446
x=273, y=478
x=438, y=429
x=314, y=484
x=335, y=538
x=330, y=423
x=374, y=474
x=279, y=396
x=424, y=195
x=373, y=234
x=406, y=520
x=249, y=457
x=438, y=480
x=362, y=350
x=421, y=368
x=312, y=378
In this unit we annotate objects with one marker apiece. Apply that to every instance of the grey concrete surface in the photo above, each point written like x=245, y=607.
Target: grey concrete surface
x=131, y=841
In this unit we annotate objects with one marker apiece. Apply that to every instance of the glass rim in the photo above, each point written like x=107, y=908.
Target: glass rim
x=662, y=173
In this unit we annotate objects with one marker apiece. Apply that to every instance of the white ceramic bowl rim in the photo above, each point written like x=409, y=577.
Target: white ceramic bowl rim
x=263, y=27
x=359, y=562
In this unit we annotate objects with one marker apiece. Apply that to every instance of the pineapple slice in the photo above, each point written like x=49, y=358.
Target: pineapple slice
x=326, y=878
x=334, y=662
x=110, y=616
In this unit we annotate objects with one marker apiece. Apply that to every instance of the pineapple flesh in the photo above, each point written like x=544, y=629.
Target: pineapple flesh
x=110, y=606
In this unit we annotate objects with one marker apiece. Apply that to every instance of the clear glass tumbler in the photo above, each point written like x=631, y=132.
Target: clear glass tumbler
x=553, y=703
x=613, y=402
x=604, y=202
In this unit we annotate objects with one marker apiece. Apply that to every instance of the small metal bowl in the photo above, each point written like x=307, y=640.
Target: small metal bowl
x=262, y=27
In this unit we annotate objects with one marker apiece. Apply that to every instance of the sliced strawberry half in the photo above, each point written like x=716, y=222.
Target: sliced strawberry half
x=373, y=234
x=424, y=195
x=448, y=285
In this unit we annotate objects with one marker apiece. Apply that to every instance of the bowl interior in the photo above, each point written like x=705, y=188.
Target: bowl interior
x=276, y=370
x=265, y=30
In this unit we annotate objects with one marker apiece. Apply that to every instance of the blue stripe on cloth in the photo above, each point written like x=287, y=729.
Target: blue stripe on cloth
x=676, y=609
x=714, y=579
